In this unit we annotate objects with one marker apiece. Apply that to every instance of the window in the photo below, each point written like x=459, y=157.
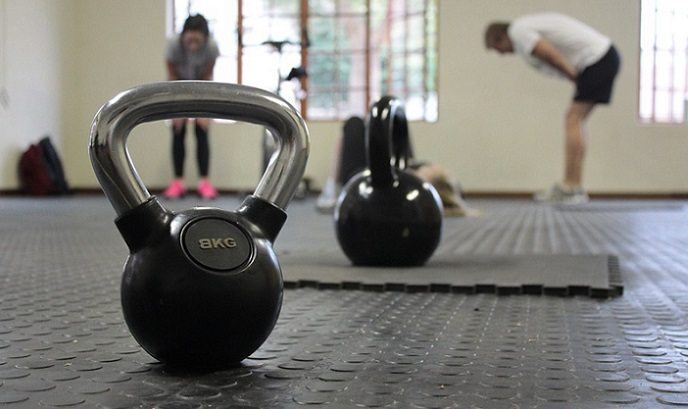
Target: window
x=355, y=51
x=663, y=69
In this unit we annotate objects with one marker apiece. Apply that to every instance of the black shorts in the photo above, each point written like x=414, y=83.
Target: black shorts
x=596, y=82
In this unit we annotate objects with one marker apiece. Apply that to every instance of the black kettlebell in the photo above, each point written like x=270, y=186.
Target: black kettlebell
x=201, y=287
x=385, y=215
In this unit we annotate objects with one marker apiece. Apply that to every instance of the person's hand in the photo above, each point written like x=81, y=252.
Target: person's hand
x=545, y=51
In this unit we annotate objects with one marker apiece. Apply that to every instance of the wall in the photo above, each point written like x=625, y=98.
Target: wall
x=508, y=119
x=36, y=39
x=122, y=44
x=500, y=123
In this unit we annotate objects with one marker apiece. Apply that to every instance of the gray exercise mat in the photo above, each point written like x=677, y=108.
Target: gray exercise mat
x=593, y=275
x=622, y=207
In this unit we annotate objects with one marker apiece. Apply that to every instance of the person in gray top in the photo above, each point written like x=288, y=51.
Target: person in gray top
x=191, y=55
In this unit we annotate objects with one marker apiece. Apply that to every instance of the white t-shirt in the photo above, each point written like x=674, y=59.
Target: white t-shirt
x=580, y=44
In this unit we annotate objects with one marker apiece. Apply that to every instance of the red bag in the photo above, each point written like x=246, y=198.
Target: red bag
x=34, y=174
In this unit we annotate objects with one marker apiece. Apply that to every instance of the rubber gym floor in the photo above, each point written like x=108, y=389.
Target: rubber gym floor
x=63, y=342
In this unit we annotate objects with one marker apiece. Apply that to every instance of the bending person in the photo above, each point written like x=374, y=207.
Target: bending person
x=559, y=45
x=191, y=56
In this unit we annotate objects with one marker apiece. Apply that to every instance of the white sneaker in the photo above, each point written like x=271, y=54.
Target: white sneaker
x=562, y=195
x=328, y=197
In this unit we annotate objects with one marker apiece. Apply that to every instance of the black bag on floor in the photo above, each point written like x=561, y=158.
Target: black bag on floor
x=52, y=160
x=40, y=170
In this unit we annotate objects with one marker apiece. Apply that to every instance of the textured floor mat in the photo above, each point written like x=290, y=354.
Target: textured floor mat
x=592, y=275
x=63, y=342
x=621, y=207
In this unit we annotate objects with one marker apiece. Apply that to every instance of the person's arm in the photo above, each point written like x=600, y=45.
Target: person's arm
x=171, y=72
x=214, y=52
x=208, y=71
x=545, y=51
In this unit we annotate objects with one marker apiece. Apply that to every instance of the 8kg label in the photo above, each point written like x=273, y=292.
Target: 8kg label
x=217, y=243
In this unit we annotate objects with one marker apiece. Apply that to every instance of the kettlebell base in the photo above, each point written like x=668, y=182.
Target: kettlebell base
x=186, y=315
x=394, y=226
x=386, y=250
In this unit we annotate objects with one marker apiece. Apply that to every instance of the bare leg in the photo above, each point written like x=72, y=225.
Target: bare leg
x=576, y=139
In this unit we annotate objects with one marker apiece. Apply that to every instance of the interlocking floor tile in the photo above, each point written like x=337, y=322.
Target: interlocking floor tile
x=63, y=342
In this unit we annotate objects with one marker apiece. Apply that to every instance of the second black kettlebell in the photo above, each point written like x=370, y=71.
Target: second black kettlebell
x=385, y=215
x=201, y=287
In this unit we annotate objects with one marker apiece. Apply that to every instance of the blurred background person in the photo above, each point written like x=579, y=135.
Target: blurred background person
x=191, y=55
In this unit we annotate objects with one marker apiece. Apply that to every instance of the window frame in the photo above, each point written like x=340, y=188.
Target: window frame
x=672, y=90
x=303, y=21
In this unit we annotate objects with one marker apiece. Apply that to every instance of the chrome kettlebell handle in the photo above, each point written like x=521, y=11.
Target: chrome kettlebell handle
x=192, y=99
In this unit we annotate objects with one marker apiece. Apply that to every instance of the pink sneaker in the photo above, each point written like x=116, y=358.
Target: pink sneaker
x=206, y=190
x=175, y=190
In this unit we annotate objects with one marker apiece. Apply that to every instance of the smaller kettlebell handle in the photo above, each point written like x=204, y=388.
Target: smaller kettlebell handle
x=193, y=99
x=387, y=140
